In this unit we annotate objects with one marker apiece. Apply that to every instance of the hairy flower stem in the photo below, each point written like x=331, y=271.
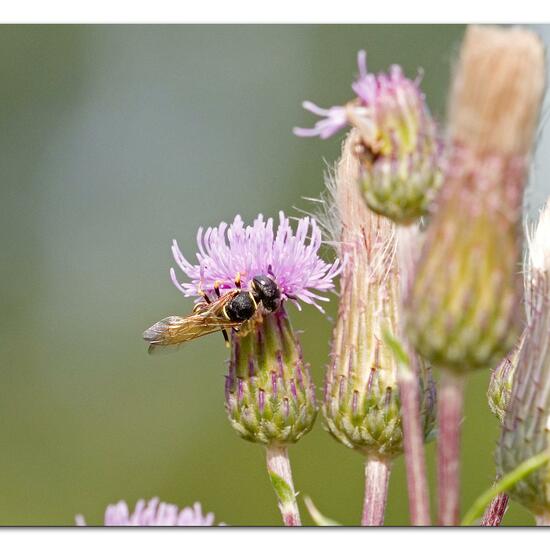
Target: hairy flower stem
x=280, y=474
x=377, y=477
x=407, y=378
x=450, y=402
x=413, y=439
x=495, y=511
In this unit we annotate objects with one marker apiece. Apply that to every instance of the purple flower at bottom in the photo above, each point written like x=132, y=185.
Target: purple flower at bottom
x=289, y=257
x=153, y=513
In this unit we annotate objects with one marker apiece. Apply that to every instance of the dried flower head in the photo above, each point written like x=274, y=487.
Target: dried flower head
x=153, y=513
x=396, y=141
x=291, y=258
x=525, y=431
x=464, y=306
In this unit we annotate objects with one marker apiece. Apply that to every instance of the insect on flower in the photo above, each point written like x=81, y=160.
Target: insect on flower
x=230, y=311
x=273, y=264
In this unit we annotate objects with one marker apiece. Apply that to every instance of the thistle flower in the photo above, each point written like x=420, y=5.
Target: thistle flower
x=291, y=259
x=525, y=431
x=396, y=141
x=153, y=513
x=269, y=391
x=464, y=307
x=362, y=405
x=270, y=396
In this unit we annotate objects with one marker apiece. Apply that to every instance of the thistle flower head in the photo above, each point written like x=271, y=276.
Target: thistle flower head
x=525, y=431
x=388, y=110
x=269, y=392
x=397, y=141
x=153, y=513
x=290, y=257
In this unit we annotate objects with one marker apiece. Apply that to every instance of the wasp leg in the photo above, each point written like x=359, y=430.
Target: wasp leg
x=226, y=338
x=224, y=332
x=205, y=297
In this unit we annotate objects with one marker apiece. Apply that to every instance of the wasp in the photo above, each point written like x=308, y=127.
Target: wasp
x=228, y=312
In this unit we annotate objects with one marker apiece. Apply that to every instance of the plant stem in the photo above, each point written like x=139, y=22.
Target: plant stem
x=450, y=401
x=377, y=477
x=408, y=245
x=495, y=511
x=280, y=474
x=413, y=435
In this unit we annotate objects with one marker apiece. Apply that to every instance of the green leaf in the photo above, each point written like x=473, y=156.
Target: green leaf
x=399, y=352
x=504, y=484
x=317, y=517
x=395, y=345
x=282, y=489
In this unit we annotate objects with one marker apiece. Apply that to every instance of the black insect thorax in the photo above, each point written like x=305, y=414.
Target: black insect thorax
x=241, y=308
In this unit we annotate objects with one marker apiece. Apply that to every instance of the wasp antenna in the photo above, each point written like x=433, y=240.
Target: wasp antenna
x=238, y=280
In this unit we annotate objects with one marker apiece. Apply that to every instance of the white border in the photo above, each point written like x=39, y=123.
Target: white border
x=270, y=539
x=280, y=11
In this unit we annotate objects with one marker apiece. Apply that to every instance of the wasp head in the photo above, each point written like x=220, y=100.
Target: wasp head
x=265, y=290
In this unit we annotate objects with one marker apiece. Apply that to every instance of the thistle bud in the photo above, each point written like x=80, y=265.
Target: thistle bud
x=270, y=395
x=396, y=141
x=463, y=308
x=525, y=431
x=362, y=405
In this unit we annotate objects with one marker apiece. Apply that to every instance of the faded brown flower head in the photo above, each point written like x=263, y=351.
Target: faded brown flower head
x=464, y=305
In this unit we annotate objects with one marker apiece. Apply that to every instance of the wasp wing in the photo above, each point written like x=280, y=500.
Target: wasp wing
x=174, y=330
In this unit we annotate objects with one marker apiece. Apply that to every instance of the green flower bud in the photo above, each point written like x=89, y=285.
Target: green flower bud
x=361, y=406
x=398, y=144
x=396, y=140
x=463, y=308
x=401, y=188
x=269, y=392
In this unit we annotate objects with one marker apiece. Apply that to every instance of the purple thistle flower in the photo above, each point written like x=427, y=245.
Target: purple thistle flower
x=378, y=98
x=395, y=138
x=291, y=258
x=153, y=513
x=335, y=119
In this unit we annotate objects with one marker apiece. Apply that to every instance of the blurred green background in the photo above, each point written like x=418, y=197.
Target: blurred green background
x=116, y=139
